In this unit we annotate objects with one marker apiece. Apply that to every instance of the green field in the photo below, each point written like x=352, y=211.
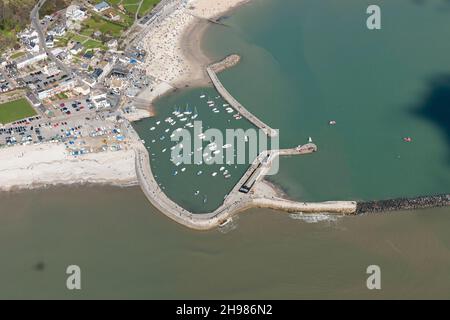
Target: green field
x=17, y=55
x=132, y=8
x=147, y=5
x=97, y=23
x=93, y=44
x=15, y=110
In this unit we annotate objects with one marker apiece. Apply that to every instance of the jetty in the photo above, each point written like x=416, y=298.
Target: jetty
x=247, y=193
x=236, y=201
x=398, y=204
x=212, y=73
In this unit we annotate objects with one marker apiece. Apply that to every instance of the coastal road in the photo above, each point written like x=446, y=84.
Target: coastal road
x=34, y=16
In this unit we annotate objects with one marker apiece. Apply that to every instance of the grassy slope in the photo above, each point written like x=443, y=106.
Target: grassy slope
x=15, y=15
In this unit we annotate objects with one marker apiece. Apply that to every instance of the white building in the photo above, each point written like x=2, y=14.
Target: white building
x=73, y=12
x=76, y=49
x=30, y=59
x=112, y=44
x=58, y=31
x=99, y=99
x=83, y=90
x=60, y=87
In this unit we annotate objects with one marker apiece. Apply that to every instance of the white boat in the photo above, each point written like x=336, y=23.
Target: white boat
x=177, y=164
x=164, y=150
x=183, y=119
x=167, y=130
x=224, y=223
x=158, y=122
x=225, y=172
x=152, y=128
x=175, y=173
x=209, y=102
x=222, y=168
x=197, y=193
x=203, y=96
x=226, y=105
x=183, y=169
x=200, y=172
x=228, y=176
x=188, y=111
x=310, y=140
x=195, y=115
x=214, y=174
x=216, y=111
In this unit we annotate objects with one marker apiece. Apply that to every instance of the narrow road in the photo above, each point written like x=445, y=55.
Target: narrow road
x=34, y=16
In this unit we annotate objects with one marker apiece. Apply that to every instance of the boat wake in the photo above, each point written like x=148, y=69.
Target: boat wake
x=314, y=218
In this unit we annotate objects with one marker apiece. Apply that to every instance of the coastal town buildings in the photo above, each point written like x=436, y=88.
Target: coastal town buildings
x=102, y=6
x=74, y=12
x=30, y=59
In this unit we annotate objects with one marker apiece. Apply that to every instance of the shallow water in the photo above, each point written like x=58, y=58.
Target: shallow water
x=308, y=62
x=126, y=249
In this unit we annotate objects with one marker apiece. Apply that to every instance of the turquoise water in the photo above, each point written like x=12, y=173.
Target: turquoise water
x=192, y=185
x=308, y=62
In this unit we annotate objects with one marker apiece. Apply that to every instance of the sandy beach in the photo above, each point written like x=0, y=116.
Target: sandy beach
x=28, y=167
x=175, y=57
